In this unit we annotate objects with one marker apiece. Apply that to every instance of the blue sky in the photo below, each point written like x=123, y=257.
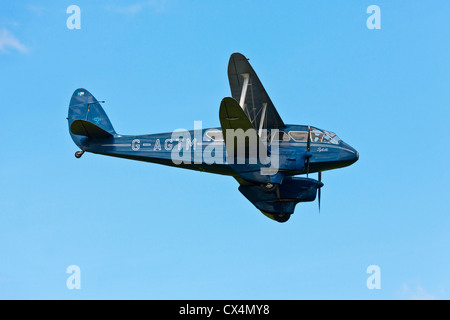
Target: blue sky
x=143, y=231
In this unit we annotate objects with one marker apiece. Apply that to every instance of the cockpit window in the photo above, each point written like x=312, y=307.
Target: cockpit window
x=331, y=137
x=215, y=135
x=317, y=136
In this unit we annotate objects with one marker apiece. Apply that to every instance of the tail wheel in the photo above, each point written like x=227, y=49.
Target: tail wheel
x=78, y=154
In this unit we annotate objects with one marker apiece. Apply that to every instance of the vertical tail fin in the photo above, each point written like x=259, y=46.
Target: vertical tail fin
x=86, y=113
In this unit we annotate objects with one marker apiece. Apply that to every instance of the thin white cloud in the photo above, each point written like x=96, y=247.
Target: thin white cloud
x=132, y=9
x=38, y=10
x=9, y=42
x=416, y=293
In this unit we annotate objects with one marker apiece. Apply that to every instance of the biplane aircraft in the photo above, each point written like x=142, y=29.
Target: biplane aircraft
x=252, y=144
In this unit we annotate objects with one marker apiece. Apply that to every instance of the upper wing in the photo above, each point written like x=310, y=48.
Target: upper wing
x=253, y=98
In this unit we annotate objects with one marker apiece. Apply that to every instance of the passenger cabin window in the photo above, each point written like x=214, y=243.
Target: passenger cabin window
x=280, y=136
x=317, y=136
x=215, y=135
x=299, y=136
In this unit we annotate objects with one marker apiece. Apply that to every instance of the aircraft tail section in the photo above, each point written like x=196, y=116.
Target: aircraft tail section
x=87, y=119
x=88, y=129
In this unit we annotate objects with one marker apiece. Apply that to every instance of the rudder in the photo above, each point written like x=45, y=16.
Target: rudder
x=84, y=106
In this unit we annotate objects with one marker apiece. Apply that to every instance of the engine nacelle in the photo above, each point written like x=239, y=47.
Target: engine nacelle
x=290, y=192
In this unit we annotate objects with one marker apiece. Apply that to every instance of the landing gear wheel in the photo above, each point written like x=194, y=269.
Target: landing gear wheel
x=269, y=187
x=78, y=154
x=281, y=217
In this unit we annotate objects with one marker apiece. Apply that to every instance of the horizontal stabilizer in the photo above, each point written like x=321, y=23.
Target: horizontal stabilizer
x=88, y=129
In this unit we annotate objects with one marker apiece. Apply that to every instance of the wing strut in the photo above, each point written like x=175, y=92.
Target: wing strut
x=261, y=123
x=244, y=89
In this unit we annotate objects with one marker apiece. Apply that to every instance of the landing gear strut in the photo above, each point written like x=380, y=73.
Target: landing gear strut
x=78, y=154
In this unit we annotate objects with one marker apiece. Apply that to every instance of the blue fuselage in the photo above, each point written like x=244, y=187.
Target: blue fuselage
x=196, y=150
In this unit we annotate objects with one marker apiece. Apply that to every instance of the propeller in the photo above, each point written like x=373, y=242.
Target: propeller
x=320, y=187
x=308, y=155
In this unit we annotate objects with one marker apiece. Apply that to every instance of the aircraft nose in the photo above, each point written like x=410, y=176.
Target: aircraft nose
x=348, y=153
